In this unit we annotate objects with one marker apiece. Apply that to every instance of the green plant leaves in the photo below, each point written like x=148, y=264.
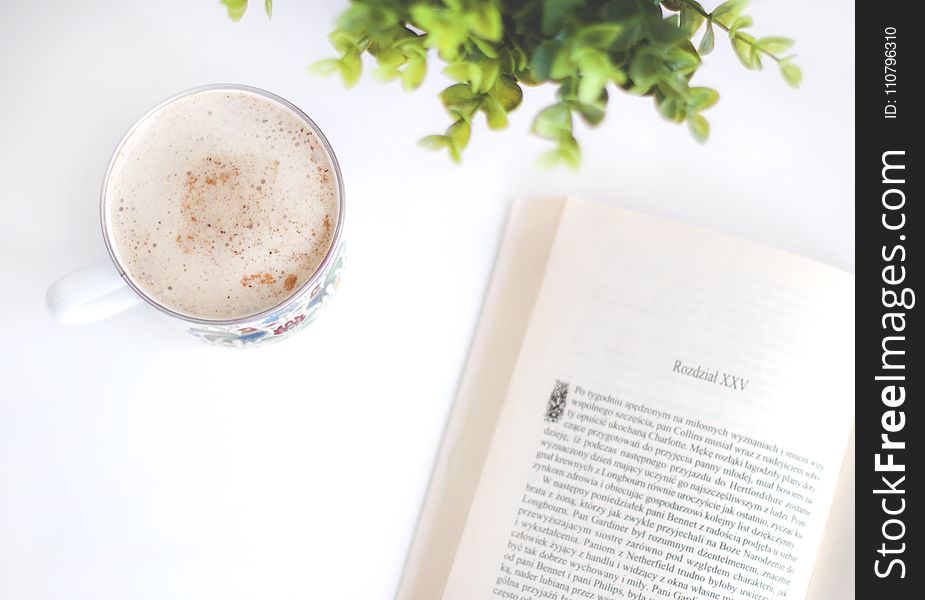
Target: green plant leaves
x=350, y=67
x=413, y=74
x=791, y=73
x=747, y=51
x=485, y=20
x=455, y=94
x=434, y=142
x=741, y=23
x=726, y=13
x=708, y=40
x=690, y=19
x=458, y=134
x=775, y=44
x=495, y=113
x=343, y=40
x=325, y=67
x=541, y=61
x=595, y=71
x=507, y=93
x=644, y=71
x=553, y=122
x=555, y=13
x=491, y=49
x=566, y=152
x=699, y=127
x=236, y=8
x=601, y=35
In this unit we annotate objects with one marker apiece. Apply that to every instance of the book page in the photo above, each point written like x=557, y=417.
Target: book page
x=514, y=286
x=674, y=425
x=833, y=575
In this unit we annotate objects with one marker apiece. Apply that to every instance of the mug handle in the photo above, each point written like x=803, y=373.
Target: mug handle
x=90, y=294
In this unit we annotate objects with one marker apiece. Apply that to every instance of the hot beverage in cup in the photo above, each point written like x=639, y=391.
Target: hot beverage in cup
x=223, y=208
x=221, y=204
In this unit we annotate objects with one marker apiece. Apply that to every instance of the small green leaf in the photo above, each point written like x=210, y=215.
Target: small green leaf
x=385, y=74
x=236, y=8
x=268, y=7
x=775, y=44
x=726, y=13
x=491, y=69
x=706, y=44
x=507, y=93
x=590, y=87
x=541, y=61
x=343, y=40
x=593, y=113
x=494, y=113
x=389, y=58
x=457, y=72
x=474, y=72
x=553, y=122
x=485, y=20
x=747, y=51
x=410, y=44
x=682, y=59
x=456, y=94
x=702, y=98
x=485, y=47
x=672, y=109
x=562, y=66
x=549, y=159
x=465, y=110
x=595, y=73
x=741, y=23
x=354, y=19
x=569, y=152
x=644, y=71
x=413, y=74
x=434, y=142
x=699, y=127
x=351, y=66
x=555, y=13
x=691, y=20
x=458, y=135
x=325, y=67
x=675, y=87
x=601, y=35
x=618, y=76
x=380, y=18
x=791, y=73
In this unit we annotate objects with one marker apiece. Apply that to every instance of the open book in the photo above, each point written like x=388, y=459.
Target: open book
x=649, y=410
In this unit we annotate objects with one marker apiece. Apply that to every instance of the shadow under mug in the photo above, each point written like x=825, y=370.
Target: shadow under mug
x=102, y=290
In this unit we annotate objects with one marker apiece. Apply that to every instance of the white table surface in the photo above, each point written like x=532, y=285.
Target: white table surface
x=136, y=462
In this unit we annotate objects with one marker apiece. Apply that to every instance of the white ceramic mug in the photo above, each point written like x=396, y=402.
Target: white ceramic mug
x=104, y=289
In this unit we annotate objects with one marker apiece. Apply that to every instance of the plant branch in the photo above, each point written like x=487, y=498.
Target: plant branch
x=709, y=17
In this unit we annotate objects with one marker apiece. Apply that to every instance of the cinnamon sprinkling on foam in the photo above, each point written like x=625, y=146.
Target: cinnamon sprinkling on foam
x=257, y=279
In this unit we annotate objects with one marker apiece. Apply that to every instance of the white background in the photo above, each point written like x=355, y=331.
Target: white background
x=136, y=462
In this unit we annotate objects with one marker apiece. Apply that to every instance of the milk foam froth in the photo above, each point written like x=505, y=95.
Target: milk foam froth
x=222, y=204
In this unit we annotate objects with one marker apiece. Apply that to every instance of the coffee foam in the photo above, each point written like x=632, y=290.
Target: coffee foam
x=221, y=204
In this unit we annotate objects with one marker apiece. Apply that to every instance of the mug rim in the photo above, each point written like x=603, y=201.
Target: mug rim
x=309, y=283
